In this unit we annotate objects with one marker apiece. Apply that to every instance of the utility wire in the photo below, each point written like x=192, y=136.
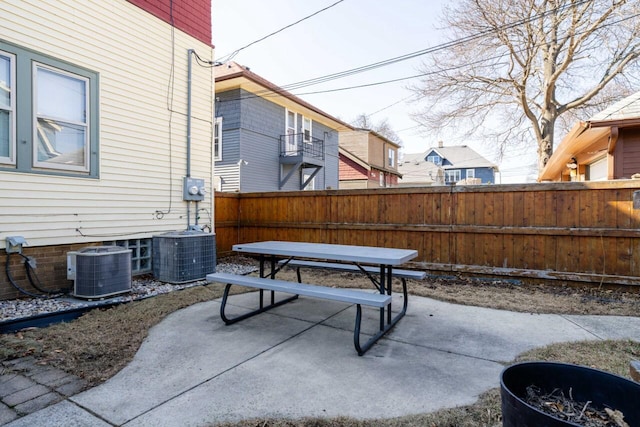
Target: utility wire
x=284, y=89
x=422, y=52
x=230, y=56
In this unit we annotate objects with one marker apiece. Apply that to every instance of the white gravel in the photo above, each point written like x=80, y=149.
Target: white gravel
x=140, y=288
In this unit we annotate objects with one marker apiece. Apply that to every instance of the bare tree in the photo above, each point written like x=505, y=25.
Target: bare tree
x=382, y=127
x=516, y=66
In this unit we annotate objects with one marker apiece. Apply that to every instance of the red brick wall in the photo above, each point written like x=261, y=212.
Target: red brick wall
x=191, y=16
x=50, y=271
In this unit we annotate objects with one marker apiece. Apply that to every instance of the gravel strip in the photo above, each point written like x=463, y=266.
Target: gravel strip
x=140, y=289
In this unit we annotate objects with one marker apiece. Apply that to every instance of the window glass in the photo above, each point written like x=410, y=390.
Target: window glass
x=471, y=173
x=306, y=129
x=61, y=120
x=392, y=157
x=434, y=159
x=217, y=139
x=53, y=109
x=452, y=175
x=61, y=96
x=5, y=82
x=6, y=109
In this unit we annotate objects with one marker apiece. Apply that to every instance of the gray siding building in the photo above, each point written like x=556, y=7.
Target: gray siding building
x=267, y=139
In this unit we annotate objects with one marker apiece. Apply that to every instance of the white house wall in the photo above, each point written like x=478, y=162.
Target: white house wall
x=142, y=124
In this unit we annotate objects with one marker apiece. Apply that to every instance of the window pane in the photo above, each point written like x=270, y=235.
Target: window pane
x=61, y=96
x=5, y=82
x=5, y=133
x=61, y=143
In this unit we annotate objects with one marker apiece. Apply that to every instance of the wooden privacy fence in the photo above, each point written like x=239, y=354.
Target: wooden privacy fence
x=585, y=232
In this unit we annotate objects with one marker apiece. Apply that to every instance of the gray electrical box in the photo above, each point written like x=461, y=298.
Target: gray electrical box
x=193, y=189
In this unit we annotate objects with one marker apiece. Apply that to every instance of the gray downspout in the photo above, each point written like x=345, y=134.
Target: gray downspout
x=189, y=67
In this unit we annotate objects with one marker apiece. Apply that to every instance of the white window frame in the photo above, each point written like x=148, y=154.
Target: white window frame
x=435, y=159
x=306, y=129
x=311, y=185
x=381, y=179
x=86, y=124
x=11, y=108
x=455, y=173
x=392, y=157
x=291, y=145
x=217, y=139
x=471, y=173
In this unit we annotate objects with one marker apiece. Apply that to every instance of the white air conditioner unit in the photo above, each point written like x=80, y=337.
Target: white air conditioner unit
x=99, y=271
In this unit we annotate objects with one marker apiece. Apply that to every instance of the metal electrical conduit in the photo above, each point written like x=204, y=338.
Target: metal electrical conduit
x=36, y=284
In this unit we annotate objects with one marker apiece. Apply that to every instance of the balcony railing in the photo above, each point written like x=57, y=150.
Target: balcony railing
x=302, y=145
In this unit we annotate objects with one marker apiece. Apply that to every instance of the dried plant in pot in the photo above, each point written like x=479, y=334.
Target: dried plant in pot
x=549, y=394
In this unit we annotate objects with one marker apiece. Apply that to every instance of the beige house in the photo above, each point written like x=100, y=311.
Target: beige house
x=605, y=147
x=104, y=109
x=367, y=160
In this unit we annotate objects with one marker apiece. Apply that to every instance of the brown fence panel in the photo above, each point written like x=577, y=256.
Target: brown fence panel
x=565, y=231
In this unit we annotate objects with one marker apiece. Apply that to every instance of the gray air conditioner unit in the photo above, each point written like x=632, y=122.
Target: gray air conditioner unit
x=183, y=256
x=99, y=271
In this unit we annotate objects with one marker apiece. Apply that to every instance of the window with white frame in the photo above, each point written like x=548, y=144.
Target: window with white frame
x=291, y=146
x=61, y=119
x=51, y=106
x=217, y=139
x=381, y=179
x=391, y=158
x=7, y=108
x=453, y=175
x=312, y=183
x=434, y=158
x=306, y=129
x=471, y=173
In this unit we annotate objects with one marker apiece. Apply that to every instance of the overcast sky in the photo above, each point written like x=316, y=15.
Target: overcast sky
x=351, y=34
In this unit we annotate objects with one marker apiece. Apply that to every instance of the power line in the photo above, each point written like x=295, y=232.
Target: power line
x=422, y=52
x=369, y=67
x=230, y=56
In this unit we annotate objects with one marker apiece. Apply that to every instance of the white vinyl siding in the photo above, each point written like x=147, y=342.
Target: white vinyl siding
x=7, y=108
x=142, y=104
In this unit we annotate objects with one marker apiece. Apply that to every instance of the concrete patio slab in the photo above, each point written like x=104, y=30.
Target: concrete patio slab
x=298, y=360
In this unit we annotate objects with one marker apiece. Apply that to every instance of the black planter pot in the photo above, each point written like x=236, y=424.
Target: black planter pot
x=603, y=389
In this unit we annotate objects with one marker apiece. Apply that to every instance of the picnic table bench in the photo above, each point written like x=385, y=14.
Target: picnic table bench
x=351, y=296
x=367, y=269
x=362, y=258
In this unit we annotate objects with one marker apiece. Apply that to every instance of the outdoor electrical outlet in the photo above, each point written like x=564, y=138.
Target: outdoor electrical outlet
x=14, y=244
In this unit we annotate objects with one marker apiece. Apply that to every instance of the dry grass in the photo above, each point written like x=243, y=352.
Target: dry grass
x=102, y=342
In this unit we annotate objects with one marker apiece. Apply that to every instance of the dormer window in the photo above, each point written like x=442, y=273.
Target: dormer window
x=435, y=159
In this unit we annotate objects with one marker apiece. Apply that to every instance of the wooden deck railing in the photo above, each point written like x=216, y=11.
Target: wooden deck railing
x=585, y=232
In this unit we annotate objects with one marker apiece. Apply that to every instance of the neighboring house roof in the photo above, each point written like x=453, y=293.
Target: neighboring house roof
x=626, y=108
x=379, y=135
x=348, y=154
x=460, y=157
x=593, y=138
x=416, y=170
x=232, y=75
